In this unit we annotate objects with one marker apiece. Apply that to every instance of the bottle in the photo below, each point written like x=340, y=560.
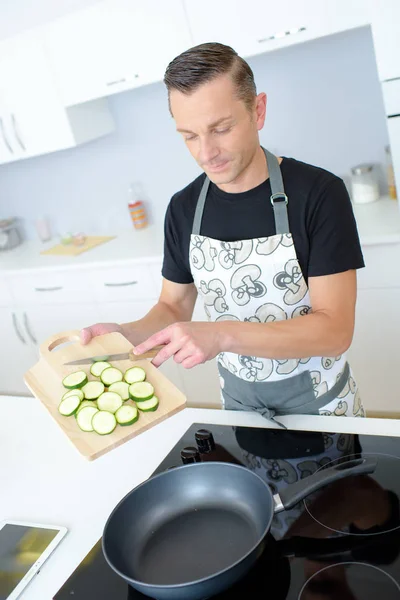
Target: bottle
x=136, y=206
x=364, y=184
x=390, y=174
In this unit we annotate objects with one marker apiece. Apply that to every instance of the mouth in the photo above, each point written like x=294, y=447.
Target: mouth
x=218, y=167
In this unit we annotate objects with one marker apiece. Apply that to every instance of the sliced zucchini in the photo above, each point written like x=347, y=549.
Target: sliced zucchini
x=121, y=388
x=83, y=404
x=110, y=401
x=127, y=415
x=148, y=405
x=75, y=380
x=111, y=375
x=134, y=375
x=98, y=367
x=104, y=422
x=68, y=406
x=93, y=389
x=76, y=392
x=85, y=416
x=140, y=391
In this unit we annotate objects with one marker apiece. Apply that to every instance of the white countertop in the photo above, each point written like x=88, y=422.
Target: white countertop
x=130, y=245
x=378, y=223
x=45, y=480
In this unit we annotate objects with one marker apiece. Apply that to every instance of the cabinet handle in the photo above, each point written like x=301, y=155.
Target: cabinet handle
x=28, y=329
x=281, y=34
x=123, y=283
x=16, y=132
x=17, y=331
x=55, y=288
x=3, y=133
x=116, y=81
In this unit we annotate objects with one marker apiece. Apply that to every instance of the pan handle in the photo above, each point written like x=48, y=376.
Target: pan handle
x=295, y=492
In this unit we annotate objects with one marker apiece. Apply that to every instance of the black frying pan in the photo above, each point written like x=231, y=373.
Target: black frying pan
x=191, y=532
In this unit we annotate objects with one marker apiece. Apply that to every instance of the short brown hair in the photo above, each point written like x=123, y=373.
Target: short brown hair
x=205, y=62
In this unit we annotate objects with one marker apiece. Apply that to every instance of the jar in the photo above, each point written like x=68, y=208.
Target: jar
x=364, y=184
x=390, y=174
x=136, y=206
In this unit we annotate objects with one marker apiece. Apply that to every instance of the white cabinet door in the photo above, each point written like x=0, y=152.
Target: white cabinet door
x=258, y=26
x=394, y=136
x=375, y=355
x=35, y=120
x=16, y=354
x=386, y=36
x=117, y=45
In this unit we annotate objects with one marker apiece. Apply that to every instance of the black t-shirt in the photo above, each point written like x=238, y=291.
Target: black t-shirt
x=321, y=221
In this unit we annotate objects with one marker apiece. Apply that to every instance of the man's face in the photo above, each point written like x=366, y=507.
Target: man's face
x=218, y=128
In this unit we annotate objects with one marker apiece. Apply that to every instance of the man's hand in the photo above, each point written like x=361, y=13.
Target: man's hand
x=98, y=329
x=190, y=343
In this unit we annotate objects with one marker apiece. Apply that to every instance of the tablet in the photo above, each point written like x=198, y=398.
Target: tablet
x=23, y=549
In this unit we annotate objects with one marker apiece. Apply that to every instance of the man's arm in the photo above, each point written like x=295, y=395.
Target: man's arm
x=327, y=331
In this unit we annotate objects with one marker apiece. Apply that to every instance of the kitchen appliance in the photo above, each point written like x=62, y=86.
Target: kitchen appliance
x=10, y=234
x=44, y=380
x=346, y=536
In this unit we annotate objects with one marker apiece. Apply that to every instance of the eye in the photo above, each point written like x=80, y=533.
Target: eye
x=189, y=138
x=225, y=130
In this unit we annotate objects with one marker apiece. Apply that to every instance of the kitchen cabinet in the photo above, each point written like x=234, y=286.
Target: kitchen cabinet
x=117, y=45
x=386, y=35
x=17, y=352
x=394, y=137
x=33, y=118
x=258, y=26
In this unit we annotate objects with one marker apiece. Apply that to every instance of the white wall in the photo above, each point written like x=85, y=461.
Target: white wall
x=324, y=107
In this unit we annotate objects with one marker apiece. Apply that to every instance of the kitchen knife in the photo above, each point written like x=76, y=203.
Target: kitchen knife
x=121, y=356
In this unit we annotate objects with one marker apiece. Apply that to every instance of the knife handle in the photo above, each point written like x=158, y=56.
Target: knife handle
x=149, y=354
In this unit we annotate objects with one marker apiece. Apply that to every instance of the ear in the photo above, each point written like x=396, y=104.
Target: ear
x=261, y=110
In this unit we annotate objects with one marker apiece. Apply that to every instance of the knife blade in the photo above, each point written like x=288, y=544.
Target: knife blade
x=111, y=357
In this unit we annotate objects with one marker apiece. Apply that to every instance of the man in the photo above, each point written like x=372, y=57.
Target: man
x=270, y=245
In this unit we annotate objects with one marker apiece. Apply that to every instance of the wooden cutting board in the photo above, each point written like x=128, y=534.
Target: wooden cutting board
x=45, y=382
x=71, y=250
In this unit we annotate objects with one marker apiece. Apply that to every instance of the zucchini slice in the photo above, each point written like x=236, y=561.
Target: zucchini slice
x=68, y=406
x=127, y=414
x=140, y=391
x=121, y=388
x=104, y=422
x=75, y=380
x=85, y=416
x=93, y=389
x=148, y=405
x=110, y=401
x=111, y=375
x=98, y=367
x=83, y=404
x=76, y=392
x=135, y=374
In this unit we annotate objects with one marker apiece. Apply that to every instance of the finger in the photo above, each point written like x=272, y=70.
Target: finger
x=184, y=352
x=166, y=352
x=86, y=335
x=157, y=339
x=190, y=362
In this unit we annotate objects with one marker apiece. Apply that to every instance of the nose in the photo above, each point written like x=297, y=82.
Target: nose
x=208, y=151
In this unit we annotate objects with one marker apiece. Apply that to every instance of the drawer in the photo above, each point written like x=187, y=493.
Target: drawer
x=5, y=295
x=122, y=283
x=51, y=288
x=391, y=96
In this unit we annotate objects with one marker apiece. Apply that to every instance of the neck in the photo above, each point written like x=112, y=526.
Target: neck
x=253, y=175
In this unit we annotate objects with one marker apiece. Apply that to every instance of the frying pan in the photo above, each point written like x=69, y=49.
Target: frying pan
x=193, y=531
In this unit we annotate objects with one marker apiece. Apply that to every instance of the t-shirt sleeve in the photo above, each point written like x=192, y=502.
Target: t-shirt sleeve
x=334, y=242
x=175, y=268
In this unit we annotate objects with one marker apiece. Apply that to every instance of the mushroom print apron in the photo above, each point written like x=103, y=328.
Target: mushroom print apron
x=260, y=281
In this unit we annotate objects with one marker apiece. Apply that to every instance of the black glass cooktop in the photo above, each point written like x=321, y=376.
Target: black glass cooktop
x=341, y=543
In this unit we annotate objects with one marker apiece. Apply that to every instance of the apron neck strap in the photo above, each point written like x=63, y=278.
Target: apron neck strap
x=279, y=200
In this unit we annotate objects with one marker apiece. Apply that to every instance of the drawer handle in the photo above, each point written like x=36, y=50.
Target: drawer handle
x=122, y=284
x=49, y=289
x=28, y=329
x=16, y=329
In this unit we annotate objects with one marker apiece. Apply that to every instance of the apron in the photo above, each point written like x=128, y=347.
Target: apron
x=260, y=280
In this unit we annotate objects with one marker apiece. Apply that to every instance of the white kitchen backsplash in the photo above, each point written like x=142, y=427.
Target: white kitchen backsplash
x=324, y=107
